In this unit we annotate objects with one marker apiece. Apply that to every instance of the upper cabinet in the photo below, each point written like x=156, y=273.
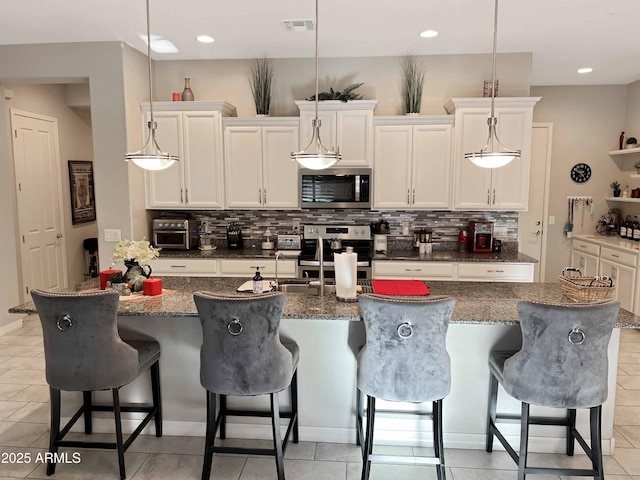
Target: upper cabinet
x=504, y=188
x=412, y=162
x=259, y=172
x=193, y=131
x=345, y=125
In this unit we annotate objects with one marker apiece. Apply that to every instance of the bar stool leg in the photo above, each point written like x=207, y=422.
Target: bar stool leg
x=157, y=398
x=524, y=441
x=55, y=427
x=359, y=415
x=595, y=414
x=118, y=421
x=438, y=441
x=86, y=396
x=368, y=442
x=277, y=441
x=571, y=425
x=294, y=404
x=210, y=435
x=223, y=417
x=491, y=410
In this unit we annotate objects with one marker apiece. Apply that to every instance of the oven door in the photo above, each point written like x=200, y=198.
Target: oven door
x=308, y=271
x=171, y=239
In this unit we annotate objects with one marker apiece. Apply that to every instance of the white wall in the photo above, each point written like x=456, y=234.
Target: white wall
x=75, y=144
x=447, y=76
x=587, y=121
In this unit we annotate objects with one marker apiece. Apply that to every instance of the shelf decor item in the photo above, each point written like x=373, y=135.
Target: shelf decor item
x=344, y=95
x=261, y=79
x=494, y=154
x=615, y=186
x=150, y=157
x=315, y=155
x=636, y=165
x=187, y=93
x=412, y=83
x=631, y=143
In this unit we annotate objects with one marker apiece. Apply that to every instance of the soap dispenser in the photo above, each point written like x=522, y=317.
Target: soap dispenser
x=257, y=281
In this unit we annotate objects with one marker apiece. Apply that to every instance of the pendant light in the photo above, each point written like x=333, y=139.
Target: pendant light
x=494, y=154
x=315, y=155
x=151, y=157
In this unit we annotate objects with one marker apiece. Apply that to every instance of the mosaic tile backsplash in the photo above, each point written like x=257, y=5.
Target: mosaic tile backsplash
x=445, y=225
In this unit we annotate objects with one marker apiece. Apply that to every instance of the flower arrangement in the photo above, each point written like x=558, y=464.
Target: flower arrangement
x=140, y=251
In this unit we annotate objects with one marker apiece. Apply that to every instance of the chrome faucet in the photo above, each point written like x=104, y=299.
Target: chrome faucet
x=320, y=250
x=278, y=255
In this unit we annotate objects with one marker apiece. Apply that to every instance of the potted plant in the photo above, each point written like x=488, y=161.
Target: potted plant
x=344, y=95
x=615, y=186
x=413, y=80
x=631, y=142
x=261, y=81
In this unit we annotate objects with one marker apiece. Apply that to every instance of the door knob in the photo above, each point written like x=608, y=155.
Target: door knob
x=538, y=232
x=59, y=235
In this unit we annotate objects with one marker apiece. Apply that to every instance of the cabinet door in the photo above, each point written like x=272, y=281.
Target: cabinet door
x=587, y=264
x=510, y=184
x=472, y=184
x=203, y=162
x=279, y=173
x=431, y=171
x=392, y=166
x=414, y=270
x=354, y=135
x=624, y=278
x=243, y=167
x=327, y=129
x=165, y=188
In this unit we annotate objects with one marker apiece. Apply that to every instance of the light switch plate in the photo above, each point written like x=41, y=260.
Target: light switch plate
x=112, y=235
x=552, y=220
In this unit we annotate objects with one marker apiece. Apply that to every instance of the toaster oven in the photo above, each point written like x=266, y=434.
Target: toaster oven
x=175, y=234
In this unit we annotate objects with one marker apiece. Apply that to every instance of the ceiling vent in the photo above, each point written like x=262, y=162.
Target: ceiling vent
x=298, y=25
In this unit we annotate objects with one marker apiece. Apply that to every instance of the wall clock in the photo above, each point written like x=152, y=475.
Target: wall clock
x=580, y=173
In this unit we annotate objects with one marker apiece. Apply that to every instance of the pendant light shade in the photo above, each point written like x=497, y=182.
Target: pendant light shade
x=315, y=155
x=151, y=157
x=494, y=154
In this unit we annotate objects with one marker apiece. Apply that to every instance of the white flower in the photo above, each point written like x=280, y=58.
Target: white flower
x=141, y=251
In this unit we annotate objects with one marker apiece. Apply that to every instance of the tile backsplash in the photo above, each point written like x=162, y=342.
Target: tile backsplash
x=445, y=225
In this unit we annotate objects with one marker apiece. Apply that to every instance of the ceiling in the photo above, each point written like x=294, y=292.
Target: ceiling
x=563, y=35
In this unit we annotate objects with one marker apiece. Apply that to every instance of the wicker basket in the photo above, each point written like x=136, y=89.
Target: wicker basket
x=586, y=289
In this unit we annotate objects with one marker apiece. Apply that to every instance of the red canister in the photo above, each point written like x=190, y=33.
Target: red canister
x=105, y=276
x=152, y=286
x=462, y=241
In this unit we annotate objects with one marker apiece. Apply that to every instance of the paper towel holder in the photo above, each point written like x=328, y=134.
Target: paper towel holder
x=347, y=299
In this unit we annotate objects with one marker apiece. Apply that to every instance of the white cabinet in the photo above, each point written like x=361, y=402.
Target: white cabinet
x=585, y=257
x=259, y=172
x=504, y=188
x=185, y=267
x=413, y=270
x=195, y=135
x=412, y=163
x=247, y=267
x=495, y=272
x=624, y=278
x=345, y=125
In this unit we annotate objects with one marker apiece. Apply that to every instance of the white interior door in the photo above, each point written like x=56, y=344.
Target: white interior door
x=39, y=199
x=531, y=226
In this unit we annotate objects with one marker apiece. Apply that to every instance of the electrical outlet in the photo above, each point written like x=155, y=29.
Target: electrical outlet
x=112, y=235
x=296, y=224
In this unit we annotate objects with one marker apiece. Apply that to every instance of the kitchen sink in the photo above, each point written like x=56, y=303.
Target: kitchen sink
x=302, y=286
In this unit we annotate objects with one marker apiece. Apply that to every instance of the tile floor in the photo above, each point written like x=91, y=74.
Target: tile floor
x=24, y=414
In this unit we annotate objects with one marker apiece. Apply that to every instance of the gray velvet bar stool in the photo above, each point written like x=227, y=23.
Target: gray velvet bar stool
x=84, y=352
x=404, y=359
x=243, y=355
x=563, y=363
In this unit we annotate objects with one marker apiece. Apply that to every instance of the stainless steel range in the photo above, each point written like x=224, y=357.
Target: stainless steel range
x=335, y=239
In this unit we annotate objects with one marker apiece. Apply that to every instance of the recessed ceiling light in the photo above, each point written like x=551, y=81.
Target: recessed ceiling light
x=429, y=34
x=205, y=39
x=585, y=70
x=160, y=45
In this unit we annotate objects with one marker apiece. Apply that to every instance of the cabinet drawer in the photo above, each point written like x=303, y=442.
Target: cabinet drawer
x=487, y=272
x=417, y=270
x=586, y=247
x=182, y=267
x=247, y=267
x=624, y=258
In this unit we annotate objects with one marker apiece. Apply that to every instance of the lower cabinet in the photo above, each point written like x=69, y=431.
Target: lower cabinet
x=215, y=267
x=185, y=267
x=469, y=272
x=621, y=267
x=247, y=267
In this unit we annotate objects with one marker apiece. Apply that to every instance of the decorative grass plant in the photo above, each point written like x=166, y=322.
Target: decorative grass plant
x=413, y=81
x=261, y=80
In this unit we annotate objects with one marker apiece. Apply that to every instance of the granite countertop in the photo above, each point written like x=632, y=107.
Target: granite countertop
x=490, y=303
x=402, y=255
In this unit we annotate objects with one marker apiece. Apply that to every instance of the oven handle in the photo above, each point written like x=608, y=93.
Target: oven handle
x=169, y=231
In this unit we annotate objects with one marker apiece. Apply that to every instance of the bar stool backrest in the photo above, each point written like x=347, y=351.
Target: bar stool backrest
x=405, y=357
x=82, y=348
x=241, y=350
x=563, y=361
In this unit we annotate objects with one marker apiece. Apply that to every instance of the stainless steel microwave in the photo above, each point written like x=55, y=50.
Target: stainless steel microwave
x=174, y=234
x=336, y=188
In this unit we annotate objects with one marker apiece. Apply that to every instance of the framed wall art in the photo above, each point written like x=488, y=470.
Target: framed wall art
x=83, y=200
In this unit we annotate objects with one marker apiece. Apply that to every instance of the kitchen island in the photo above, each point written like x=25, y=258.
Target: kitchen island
x=329, y=334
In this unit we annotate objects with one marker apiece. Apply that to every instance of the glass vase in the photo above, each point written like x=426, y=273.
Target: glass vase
x=187, y=93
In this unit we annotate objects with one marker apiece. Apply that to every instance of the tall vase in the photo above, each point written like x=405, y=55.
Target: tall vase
x=187, y=93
